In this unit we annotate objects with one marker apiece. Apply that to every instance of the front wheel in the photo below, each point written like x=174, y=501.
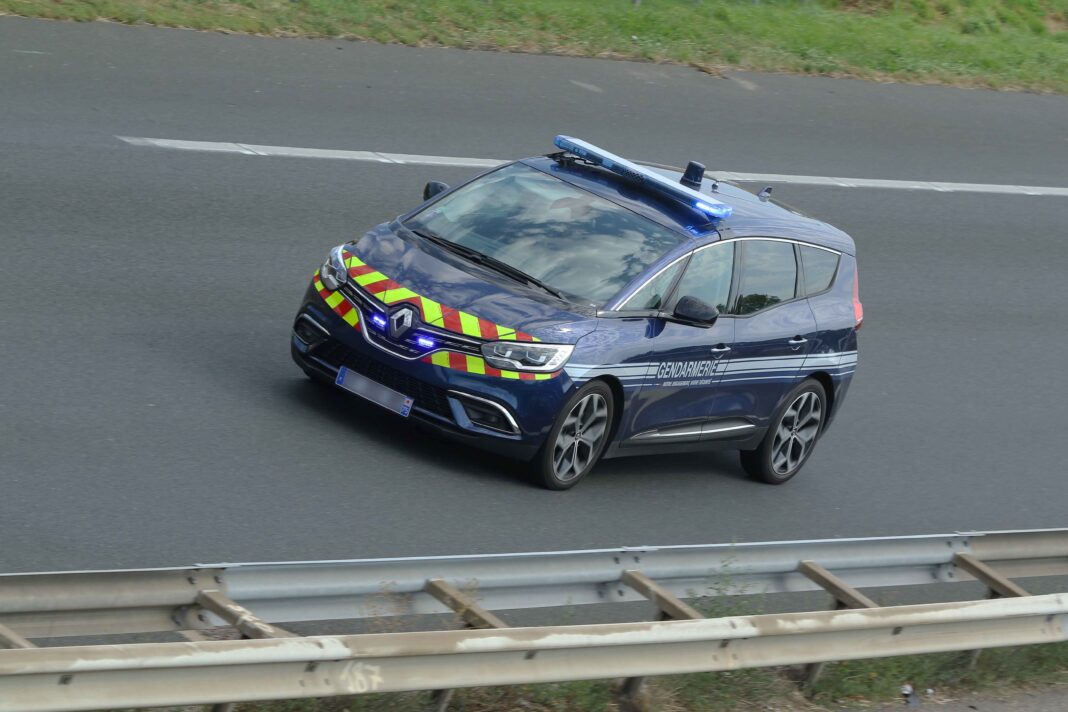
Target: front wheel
x=791, y=437
x=577, y=438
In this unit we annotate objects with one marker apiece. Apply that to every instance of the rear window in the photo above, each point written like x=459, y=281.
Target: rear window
x=769, y=275
x=820, y=268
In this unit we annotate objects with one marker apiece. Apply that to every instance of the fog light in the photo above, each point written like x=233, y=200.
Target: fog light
x=308, y=331
x=485, y=416
x=483, y=412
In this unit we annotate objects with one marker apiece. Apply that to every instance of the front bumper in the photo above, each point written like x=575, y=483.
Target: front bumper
x=529, y=407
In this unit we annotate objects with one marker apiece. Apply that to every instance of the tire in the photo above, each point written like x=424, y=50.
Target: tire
x=788, y=443
x=564, y=459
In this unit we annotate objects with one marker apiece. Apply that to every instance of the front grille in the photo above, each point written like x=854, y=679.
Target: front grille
x=407, y=345
x=427, y=397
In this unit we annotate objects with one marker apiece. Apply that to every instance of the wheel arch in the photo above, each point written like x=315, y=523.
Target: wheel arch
x=825, y=380
x=616, y=386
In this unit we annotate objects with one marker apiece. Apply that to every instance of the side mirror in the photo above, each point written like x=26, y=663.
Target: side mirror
x=433, y=188
x=695, y=311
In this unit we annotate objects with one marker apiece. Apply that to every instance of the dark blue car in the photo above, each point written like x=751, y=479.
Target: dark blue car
x=575, y=306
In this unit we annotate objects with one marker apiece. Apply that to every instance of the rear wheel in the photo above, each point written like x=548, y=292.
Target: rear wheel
x=791, y=437
x=577, y=438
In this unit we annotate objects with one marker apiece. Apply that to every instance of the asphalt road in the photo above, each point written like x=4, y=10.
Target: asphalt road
x=149, y=412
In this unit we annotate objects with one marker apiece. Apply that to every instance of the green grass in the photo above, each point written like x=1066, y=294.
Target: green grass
x=1019, y=44
x=864, y=680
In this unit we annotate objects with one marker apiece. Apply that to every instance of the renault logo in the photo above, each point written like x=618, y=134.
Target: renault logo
x=400, y=320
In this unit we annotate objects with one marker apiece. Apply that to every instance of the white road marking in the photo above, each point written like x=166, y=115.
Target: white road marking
x=941, y=187
x=588, y=87
x=743, y=83
x=29, y=51
x=250, y=149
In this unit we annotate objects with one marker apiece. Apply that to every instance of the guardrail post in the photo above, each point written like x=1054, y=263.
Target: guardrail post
x=997, y=586
x=11, y=639
x=845, y=596
x=243, y=620
x=670, y=607
x=473, y=615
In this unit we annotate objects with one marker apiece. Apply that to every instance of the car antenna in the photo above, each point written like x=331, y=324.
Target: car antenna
x=765, y=194
x=695, y=172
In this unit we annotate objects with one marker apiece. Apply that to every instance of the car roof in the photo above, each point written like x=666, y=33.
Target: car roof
x=751, y=216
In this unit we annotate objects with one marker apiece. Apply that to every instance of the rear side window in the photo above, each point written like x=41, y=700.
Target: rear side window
x=820, y=268
x=769, y=275
x=708, y=277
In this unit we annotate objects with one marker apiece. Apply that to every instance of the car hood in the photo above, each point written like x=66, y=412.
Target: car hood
x=426, y=271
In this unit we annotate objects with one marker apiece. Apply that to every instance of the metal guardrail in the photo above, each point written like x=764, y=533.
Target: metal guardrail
x=270, y=663
x=44, y=605
x=190, y=673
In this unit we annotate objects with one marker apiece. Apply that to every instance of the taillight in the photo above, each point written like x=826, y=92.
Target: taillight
x=858, y=308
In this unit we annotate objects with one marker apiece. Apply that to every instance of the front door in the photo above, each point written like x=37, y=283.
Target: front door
x=680, y=397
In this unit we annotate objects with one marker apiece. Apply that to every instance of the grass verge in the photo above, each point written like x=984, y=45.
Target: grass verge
x=1018, y=44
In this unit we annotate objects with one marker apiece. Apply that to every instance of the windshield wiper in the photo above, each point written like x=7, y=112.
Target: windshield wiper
x=448, y=245
x=517, y=274
x=486, y=261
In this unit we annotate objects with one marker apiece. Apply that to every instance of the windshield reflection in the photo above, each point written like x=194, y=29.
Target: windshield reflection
x=576, y=242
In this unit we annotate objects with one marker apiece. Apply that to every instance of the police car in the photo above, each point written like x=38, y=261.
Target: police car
x=577, y=306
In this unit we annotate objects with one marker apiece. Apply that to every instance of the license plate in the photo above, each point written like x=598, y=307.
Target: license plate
x=374, y=392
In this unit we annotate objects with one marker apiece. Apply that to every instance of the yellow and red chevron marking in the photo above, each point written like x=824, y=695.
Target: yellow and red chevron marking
x=336, y=301
x=434, y=313
x=477, y=364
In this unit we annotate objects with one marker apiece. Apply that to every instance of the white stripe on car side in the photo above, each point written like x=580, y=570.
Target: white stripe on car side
x=777, y=367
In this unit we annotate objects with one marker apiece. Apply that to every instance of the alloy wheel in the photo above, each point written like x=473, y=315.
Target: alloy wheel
x=796, y=433
x=580, y=437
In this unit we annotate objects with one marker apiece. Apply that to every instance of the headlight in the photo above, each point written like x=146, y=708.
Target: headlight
x=334, y=273
x=526, y=356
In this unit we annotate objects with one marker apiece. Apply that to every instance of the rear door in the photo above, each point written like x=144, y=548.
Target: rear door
x=775, y=329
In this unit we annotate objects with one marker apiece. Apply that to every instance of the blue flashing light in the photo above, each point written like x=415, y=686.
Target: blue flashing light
x=425, y=342
x=621, y=166
x=719, y=210
x=379, y=320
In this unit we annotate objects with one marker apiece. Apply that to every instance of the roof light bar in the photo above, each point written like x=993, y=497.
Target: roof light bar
x=621, y=166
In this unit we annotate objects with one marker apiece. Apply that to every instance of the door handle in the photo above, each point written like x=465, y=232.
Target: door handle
x=797, y=341
x=720, y=349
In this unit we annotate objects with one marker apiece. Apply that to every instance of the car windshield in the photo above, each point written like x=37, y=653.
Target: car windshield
x=581, y=245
